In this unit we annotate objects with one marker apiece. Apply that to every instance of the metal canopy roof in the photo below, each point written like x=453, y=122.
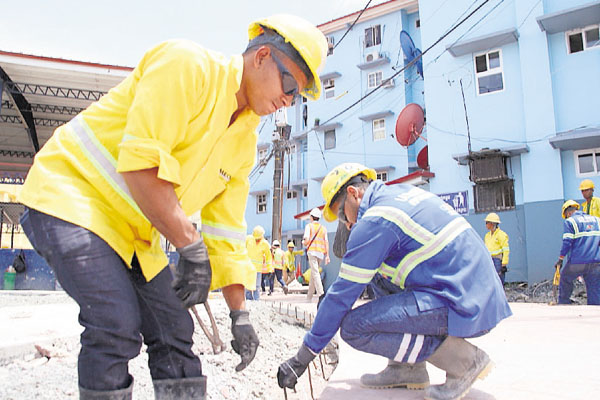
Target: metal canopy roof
x=37, y=94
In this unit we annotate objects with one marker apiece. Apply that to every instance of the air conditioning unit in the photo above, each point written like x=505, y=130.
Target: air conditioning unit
x=369, y=57
x=389, y=84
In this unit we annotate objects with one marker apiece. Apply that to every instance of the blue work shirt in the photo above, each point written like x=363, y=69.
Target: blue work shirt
x=419, y=243
x=581, y=239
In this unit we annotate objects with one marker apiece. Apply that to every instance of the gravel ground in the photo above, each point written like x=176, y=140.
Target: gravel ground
x=55, y=377
x=542, y=292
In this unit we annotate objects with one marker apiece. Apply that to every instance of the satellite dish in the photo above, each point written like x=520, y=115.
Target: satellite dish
x=423, y=158
x=410, y=51
x=409, y=124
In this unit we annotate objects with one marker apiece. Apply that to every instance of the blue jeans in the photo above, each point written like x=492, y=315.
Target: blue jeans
x=392, y=325
x=118, y=307
x=255, y=294
x=267, y=281
x=591, y=275
x=498, y=266
x=279, y=276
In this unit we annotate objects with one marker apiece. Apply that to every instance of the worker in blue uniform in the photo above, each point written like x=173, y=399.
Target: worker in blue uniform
x=581, y=248
x=434, y=279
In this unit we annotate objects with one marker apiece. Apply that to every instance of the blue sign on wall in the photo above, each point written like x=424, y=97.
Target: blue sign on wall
x=458, y=200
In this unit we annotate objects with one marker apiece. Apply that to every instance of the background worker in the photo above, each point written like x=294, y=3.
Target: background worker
x=581, y=248
x=260, y=255
x=278, y=260
x=436, y=285
x=591, y=205
x=289, y=263
x=175, y=137
x=317, y=249
x=496, y=241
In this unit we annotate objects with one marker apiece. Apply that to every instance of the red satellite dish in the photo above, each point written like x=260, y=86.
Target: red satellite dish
x=423, y=158
x=409, y=124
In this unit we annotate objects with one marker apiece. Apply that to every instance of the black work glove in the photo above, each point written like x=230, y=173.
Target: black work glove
x=245, y=342
x=290, y=370
x=559, y=263
x=192, y=274
x=504, y=269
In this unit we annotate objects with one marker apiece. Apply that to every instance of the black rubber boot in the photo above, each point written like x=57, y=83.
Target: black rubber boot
x=119, y=394
x=463, y=362
x=180, y=389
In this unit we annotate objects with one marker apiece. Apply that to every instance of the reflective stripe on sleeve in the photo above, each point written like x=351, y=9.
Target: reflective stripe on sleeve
x=104, y=162
x=357, y=275
x=217, y=231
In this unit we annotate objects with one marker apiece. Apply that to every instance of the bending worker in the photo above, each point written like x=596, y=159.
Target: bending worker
x=290, y=263
x=591, y=205
x=176, y=137
x=260, y=254
x=581, y=248
x=317, y=249
x=496, y=241
x=434, y=281
x=278, y=261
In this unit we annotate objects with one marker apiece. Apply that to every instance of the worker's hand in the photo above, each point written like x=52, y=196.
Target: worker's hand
x=559, y=263
x=245, y=342
x=192, y=274
x=292, y=369
x=504, y=268
x=327, y=260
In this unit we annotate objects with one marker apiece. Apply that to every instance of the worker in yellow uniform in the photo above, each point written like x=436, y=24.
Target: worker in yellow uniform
x=278, y=265
x=290, y=262
x=496, y=241
x=175, y=137
x=591, y=205
x=260, y=255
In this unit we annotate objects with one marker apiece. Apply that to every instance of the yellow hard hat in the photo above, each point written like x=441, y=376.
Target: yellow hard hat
x=306, y=38
x=492, y=217
x=336, y=178
x=291, y=244
x=569, y=203
x=258, y=232
x=586, y=184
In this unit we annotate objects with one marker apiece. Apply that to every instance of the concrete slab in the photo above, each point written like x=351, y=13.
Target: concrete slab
x=541, y=352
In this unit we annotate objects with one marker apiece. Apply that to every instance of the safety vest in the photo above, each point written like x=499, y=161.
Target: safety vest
x=591, y=207
x=319, y=244
x=150, y=120
x=278, y=258
x=497, y=244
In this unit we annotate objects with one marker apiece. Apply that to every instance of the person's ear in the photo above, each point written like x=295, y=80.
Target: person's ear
x=261, y=54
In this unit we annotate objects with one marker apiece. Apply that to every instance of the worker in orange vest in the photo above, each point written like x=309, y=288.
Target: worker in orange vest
x=317, y=250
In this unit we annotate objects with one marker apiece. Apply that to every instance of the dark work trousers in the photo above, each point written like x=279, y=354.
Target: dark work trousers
x=118, y=308
x=498, y=266
x=267, y=281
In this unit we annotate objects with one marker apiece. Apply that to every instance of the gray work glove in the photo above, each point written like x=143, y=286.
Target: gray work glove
x=192, y=274
x=245, y=342
x=290, y=370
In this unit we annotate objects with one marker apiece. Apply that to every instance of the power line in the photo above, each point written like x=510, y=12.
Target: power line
x=352, y=25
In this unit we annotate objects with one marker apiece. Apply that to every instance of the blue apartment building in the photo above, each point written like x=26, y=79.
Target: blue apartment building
x=523, y=73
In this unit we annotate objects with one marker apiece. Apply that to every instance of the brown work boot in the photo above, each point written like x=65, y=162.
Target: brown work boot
x=410, y=376
x=463, y=362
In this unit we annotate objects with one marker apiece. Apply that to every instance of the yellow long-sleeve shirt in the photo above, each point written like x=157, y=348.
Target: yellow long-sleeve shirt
x=497, y=244
x=172, y=112
x=593, y=208
x=260, y=254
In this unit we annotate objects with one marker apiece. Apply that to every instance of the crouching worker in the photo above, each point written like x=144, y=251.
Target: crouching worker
x=434, y=281
x=175, y=137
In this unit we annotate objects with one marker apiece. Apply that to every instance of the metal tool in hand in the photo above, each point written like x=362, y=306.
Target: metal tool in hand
x=214, y=339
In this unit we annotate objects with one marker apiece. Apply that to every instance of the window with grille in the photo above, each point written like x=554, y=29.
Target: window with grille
x=329, y=139
x=291, y=194
x=373, y=36
x=583, y=39
x=374, y=79
x=494, y=196
x=261, y=203
x=587, y=162
x=382, y=176
x=488, y=72
x=262, y=154
x=305, y=191
x=330, y=45
x=378, y=129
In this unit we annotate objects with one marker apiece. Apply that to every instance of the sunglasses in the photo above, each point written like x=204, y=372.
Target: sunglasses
x=288, y=82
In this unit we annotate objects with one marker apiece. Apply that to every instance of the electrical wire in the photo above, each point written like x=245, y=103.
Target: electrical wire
x=352, y=25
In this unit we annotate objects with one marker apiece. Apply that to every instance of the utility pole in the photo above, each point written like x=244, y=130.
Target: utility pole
x=280, y=138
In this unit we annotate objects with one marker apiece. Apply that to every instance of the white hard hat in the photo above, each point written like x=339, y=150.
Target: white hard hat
x=276, y=243
x=315, y=212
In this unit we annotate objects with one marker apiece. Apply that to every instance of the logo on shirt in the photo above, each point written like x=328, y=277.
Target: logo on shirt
x=224, y=175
